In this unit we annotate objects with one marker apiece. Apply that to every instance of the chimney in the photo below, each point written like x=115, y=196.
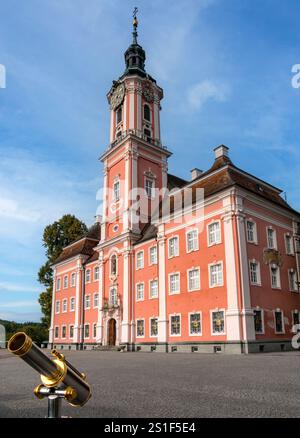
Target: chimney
x=221, y=151
x=195, y=173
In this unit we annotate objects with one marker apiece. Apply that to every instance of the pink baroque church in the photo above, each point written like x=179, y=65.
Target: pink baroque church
x=219, y=275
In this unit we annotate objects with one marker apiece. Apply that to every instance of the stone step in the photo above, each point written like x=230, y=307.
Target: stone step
x=108, y=348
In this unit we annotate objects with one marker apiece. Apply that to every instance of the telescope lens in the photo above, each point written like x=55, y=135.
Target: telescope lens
x=19, y=344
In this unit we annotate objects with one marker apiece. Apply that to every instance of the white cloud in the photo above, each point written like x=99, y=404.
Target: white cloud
x=18, y=304
x=10, y=208
x=13, y=287
x=204, y=91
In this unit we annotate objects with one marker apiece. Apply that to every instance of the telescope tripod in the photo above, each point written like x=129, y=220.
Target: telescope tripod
x=54, y=396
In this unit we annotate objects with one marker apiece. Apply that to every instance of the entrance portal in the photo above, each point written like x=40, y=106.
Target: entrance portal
x=112, y=332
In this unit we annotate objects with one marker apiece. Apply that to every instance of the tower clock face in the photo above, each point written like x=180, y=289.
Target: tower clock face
x=117, y=97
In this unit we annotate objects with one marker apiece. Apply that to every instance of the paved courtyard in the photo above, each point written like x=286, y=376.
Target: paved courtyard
x=165, y=385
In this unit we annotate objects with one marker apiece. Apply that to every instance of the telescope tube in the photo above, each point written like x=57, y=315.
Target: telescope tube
x=54, y=373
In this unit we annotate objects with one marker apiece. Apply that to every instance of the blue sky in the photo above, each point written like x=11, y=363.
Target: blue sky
x=225, y=67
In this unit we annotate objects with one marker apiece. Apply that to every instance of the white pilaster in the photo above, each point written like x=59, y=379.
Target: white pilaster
x=162, y=319
x=125, y=331
x=105, y=200
x=78, y=304
x=51, y=330
x=99, y=332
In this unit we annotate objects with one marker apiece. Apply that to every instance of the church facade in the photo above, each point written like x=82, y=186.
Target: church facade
x=205, y=265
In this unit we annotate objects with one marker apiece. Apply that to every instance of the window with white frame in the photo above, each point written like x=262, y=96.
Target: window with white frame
x=258, y=321
x=271, y=238
x=116, y=191
x=96, y=273
x=71, y=331
x=216, y=275
x=140, y=328
x=173, y=247
x=140, y=291
x=140, y=260
x=72, y=304
x=149, y=187
x=94, y=330
x=153, y=255
x=153, y=289
x=254, y=272
x=251, y=231
x=87, y=302
x=87, y=330
x=193, y=279
x=56, y=332
x=113, y=265
x=73, y=279
x=289, y=244
x=153, y=327
x=218, y=322
x=195, y=324
x=57, y=306
x=88, y=276
x=65, y=305
x=65, y=282
x=275, y=277
x=58, y=284
x=278, y=317
x=192, y=241
x=174, y=283
x=96, y=300
x=175, y=325
x=119, y=115
x=64, y=332
x=295, y=321
x=113, y=296
x=293, y=280
x=214, y=233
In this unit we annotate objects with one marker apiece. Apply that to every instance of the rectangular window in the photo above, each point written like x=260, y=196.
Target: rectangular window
x=258, y=321
x=251, y=232
x=87, y=302
x=88, y=276
x=278, y=322
x=214, y=233
x=58, y=284
x=140, y=328
x=113, y=296
x=174, y=283
x=195, y=324
x=254, y=273
x=218, y=322
x=56, y=332
x=192, y=241
x=140, y=260
x=175, y=325
x=72, y=304
x=63, y=331
x=116, y=191
x=65, y=282
x=140, y=291
x=271, y=238
x=153, y=255
x=296, y=319
x=87, y=331
x=96, y=273
x=275, y=280
x=96, y=300
x=293, y=281
x=71, y=331
x=153, y=327
x=94, y=330
x=65, y=306
x=149, y=187
x=57, y=306
x=289, y=244
x=153, y=289
x=173, y=247
x=216, y=275
x=193, y=279
x=73, y=279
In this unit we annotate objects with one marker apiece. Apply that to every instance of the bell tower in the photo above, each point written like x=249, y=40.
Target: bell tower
x=135, y=159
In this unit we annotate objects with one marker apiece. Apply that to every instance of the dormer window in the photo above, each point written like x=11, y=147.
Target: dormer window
x=147, y=113
x=119, y=115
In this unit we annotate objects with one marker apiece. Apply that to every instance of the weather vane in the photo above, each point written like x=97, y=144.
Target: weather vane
x=135, y=11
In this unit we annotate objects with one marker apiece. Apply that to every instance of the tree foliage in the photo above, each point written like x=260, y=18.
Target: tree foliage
x=56, y=236
x=37, y=331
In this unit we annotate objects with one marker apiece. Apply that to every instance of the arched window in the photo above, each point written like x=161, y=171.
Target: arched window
x=119, y=115
x=147, y=113
x=113, y=265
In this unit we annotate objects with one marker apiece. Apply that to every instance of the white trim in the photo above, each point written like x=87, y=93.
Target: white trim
x=56, y=327
x=70, y=305
x=270, y=227
x=149, y=255
x=290, y=271
x=278, y=277
x=211, y=322
x=85, y=299
x=94, y=294
x=141, y=283
x=177, y=247
x=255, y=241
x=67, y=282
x=262, y=320
x=220, y=262
x=189, y=323
x=94, y=271
x=169, y=283
x=57, y=312
x=62, y=331
x=217, y=242
x=288, y=235
x=282, y=319
x=85, y=276
x=85, y=325
x=73, y=276
x=188, y=231
x=58, y=280
x=196, y=268
x=136, y=260
x=151, y=281
x=64, y=301
x=69, y=333
x=170, y=325
x=258, y=273
x=150, y=319
x=136, y=335
x=94, y=330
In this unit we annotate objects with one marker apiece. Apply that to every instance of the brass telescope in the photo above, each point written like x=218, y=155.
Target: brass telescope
x=59, y=378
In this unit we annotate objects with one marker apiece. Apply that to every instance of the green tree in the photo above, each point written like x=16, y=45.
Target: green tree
x=56, y=236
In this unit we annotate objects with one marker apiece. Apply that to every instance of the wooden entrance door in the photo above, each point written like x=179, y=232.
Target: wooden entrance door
x=112, y=332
